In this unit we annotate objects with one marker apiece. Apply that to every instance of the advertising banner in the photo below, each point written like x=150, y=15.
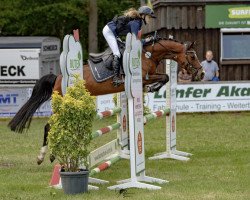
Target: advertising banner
x=19, y=65
x=206, y=97
x=12, y=99
x=227, y=16
x=105, y=102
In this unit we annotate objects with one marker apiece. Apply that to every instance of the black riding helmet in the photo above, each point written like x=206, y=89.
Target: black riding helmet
x=146, y=11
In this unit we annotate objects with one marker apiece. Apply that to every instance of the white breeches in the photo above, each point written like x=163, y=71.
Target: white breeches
x=111, y=40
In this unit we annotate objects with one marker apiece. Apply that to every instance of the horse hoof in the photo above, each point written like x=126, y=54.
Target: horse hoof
x=39, y=161
x=52, y=158
x=147, y=89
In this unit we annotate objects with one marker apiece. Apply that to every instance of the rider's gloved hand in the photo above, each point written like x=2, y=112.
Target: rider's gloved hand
x=149, y=39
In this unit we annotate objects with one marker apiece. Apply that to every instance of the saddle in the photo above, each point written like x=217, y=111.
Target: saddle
x=100, y=62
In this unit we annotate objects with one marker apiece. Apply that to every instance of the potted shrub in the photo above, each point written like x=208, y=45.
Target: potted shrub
x=70, y=135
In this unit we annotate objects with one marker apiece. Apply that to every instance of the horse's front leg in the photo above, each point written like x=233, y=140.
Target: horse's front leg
x=153, y=83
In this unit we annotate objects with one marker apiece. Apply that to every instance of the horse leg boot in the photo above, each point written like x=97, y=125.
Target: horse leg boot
x=154, y=82
x=155, y=87
x=116, y=65
x=44, y=148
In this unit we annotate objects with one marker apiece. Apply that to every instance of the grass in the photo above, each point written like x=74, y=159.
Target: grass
x=219, y=168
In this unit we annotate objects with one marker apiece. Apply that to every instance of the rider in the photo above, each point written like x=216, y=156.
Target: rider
x=131, y=21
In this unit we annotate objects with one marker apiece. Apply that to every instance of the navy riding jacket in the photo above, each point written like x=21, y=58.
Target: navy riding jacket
x=133, y=26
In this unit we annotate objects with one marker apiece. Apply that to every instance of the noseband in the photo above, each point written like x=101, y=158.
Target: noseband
x=194, y=70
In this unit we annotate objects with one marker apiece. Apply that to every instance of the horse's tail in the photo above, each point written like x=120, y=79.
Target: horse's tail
x=42, y=91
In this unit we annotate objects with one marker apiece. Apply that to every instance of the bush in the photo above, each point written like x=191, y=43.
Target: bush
x=71, y=126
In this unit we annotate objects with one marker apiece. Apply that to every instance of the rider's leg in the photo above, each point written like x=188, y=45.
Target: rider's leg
x=116, y=65
x=112, y=42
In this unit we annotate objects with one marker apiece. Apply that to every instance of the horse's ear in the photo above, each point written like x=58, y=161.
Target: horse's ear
x=192, y=45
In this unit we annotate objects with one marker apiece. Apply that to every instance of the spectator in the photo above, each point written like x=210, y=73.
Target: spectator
x=211, y=68
x=184, y=77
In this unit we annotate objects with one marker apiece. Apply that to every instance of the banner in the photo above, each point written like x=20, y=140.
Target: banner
x=19, y=65
x=203, y=97
x=12, y=99
x=227, y=16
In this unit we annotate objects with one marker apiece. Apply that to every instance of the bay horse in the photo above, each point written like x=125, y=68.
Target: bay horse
x=152, y=54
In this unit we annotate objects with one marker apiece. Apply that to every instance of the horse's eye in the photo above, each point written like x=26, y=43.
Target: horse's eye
x=192, y=57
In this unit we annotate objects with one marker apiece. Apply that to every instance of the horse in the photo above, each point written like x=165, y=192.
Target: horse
x=152, y=54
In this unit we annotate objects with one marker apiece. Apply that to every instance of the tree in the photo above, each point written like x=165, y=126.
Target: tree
x=59, y=17
x=93, y=23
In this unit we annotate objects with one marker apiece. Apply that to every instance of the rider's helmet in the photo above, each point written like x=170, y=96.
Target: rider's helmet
x=146, y=11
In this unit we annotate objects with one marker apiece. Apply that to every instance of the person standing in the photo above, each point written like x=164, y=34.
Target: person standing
x=210, y=67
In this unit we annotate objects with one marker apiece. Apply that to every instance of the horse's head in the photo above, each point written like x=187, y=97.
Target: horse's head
x=191, y=62
x=182, y=53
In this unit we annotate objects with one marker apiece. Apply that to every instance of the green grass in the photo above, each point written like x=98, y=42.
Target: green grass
x=218, y=169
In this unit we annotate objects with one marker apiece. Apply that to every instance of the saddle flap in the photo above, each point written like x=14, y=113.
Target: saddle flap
x=99, y=57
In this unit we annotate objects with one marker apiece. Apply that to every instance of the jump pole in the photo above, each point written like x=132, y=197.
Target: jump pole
x=171, y=151
x=133, y=88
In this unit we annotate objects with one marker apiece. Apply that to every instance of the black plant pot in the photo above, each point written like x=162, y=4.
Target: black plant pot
x=75, y=182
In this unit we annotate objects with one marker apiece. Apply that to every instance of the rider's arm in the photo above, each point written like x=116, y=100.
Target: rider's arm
x=135, y=26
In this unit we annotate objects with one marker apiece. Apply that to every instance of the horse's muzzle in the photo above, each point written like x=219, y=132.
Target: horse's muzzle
x=200, y=75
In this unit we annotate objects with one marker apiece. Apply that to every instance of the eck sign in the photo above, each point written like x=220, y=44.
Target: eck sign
x=19, y=65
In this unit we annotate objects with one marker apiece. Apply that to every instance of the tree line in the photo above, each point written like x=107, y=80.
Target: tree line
x=59, y=17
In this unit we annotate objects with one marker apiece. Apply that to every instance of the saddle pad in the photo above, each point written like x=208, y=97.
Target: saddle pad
x=100, y=72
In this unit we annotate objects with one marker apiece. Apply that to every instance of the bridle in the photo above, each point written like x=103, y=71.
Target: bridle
x=149, y=54
x=194, y=70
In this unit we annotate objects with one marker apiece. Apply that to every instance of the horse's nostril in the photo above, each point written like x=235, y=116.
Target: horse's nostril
x=202, y=75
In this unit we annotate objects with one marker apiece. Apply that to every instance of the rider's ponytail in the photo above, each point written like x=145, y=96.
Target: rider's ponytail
x=132, y=13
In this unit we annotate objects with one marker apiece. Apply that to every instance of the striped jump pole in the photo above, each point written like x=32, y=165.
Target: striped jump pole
x=155, y=115
x=104, y=165
x=108, y=113
x=105, y=130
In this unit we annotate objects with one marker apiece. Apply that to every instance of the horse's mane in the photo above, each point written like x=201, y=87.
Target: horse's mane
x=188, y=44
x=161, y=38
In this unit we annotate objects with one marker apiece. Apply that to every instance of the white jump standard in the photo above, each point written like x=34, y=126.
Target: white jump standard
x=171, y=151
x=133, y=88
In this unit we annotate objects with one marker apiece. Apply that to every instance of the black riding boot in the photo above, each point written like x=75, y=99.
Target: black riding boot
x=116, y=65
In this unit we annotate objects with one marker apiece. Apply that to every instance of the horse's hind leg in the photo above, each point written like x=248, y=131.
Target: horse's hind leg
x=44, y=148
